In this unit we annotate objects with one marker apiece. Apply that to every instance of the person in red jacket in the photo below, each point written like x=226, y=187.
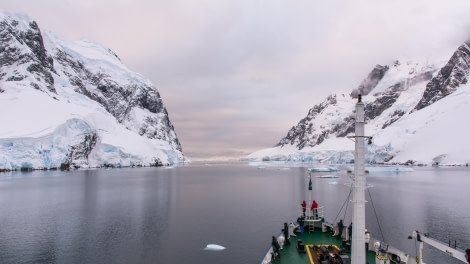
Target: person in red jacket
x=314, y=209
x=304, y=207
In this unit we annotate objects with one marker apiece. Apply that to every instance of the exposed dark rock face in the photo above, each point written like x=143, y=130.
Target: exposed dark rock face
x=78, y=154
x=19, y=48
x=384, y=101
x=344, y=128
x=396, y=115
x=120, y=99
x=449, y=78
x=371, y=81
x=304, y=134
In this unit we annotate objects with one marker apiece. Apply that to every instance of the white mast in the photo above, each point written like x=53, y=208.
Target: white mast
x=358, y=254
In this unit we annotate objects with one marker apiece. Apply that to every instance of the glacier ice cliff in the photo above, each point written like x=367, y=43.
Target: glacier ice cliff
x=75, y=105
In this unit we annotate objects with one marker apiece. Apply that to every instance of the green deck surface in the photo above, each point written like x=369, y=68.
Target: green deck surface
x=289, y=254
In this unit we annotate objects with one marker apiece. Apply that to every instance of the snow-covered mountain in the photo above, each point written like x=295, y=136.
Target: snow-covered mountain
x=75, y=104
x=417, y=113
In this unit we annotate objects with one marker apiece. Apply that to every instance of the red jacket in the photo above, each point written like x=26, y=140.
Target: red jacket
x=314, y=205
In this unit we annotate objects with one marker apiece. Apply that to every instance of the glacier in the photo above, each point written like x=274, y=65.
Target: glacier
x=75, y=105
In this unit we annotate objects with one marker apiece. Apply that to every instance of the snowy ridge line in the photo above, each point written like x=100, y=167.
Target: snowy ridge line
x=403, y=133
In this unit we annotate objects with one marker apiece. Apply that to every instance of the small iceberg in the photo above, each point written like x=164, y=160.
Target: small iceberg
x=324, y=169
x=327, y=176
x=333, y=182
x=385, y=169
x=214, y=247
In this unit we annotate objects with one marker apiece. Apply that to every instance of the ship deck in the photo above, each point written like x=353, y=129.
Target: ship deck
x=290, y=254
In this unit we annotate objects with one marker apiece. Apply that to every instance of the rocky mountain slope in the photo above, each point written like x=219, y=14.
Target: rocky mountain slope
x=404, y=103
x=75, y=104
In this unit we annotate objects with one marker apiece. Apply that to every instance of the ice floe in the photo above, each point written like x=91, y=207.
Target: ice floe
x=214, y=247
x=324, y=169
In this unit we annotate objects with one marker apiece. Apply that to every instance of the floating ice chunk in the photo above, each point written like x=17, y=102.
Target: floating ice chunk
x=324, y=169
x=214, y=247
x=333, y=182
x=328, y=176
x=385, y=169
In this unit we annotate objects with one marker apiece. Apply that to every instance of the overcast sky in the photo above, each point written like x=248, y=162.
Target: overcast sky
x=236, y=75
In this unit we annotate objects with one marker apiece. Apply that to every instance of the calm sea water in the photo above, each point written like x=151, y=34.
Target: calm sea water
x=161, y=215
